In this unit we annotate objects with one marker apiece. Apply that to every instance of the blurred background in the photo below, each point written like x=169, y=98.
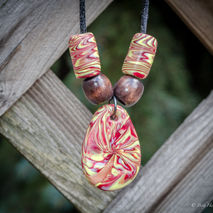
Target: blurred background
x=180, y=78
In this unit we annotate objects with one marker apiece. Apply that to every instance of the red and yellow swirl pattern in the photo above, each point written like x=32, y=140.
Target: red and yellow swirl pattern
x=84, y=55
x=140, y=56
x=111, y=150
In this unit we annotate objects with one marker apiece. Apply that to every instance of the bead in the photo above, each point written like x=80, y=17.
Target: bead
x=128, y=90
x=140, y=56
x=111, y=153
x=98, y=89
x=84, y=54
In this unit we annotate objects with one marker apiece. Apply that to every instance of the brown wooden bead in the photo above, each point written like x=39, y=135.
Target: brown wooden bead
x=98, y=89
x=128, y=90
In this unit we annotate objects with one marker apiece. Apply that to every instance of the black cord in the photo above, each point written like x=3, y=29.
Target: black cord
x=83, y=26
x=144, y=16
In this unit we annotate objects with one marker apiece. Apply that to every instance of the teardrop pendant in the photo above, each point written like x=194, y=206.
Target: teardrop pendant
x=111, y=153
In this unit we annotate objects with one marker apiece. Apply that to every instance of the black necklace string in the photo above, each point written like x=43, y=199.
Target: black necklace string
x=83, y=26
x=144, y=16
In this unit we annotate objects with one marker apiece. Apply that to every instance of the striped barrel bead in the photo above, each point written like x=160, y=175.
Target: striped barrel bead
x=84, y=54
x=140, y=56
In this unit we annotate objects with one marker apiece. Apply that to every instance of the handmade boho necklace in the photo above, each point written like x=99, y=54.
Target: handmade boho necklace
x=111, y=153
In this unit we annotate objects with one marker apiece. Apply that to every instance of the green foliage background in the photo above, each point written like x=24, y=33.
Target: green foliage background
x=180, y=78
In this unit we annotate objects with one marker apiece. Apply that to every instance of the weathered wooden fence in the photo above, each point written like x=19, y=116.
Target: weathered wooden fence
x=46, y=122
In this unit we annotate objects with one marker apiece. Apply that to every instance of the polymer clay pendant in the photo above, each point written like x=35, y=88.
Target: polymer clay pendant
x=111, y=153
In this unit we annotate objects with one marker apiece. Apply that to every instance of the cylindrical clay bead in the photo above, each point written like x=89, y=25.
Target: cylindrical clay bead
x=84, y=54
x=140, y=56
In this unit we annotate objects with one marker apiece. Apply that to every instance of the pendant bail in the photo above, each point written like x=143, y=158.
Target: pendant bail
x=113, y=116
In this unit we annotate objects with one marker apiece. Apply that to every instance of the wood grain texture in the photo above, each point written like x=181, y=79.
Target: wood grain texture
x=47, y=125
x=33, y=35
x=198, y=16
x=179, y=174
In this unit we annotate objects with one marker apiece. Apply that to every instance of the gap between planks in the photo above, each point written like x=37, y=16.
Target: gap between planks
x=198, y=16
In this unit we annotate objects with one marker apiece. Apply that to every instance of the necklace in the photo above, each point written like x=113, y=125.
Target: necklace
x=111, y=155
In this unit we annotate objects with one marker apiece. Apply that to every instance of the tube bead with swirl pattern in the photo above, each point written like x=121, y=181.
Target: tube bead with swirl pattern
x=140, y=56
x=84, y=54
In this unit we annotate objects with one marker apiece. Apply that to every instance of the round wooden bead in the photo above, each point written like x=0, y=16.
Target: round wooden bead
x=98, y=89
x=128, y=90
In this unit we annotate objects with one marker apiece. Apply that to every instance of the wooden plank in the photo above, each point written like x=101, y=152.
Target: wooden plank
x=198, y=16
x=47, y=126
x=195, y=191
x=180, y=174
x=33, y=35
